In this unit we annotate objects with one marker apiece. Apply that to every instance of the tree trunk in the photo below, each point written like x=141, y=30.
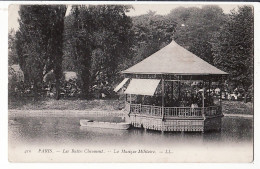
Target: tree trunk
x=85, y=88
x=245, y=99
x=57, y=86
x=85, y=91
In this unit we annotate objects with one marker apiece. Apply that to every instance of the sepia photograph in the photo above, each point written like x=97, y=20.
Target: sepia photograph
x=131, y=82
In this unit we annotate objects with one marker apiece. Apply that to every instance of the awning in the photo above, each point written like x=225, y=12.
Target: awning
x=142, y=86
x=121, y=85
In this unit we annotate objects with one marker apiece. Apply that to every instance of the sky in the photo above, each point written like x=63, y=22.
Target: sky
x=139, y=9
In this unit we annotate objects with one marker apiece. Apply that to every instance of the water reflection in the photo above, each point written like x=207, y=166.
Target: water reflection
x=67, y=131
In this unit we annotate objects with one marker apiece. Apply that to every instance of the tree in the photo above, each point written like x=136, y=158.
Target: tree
x=233, y=48
x=152, y=32
x=39, y=42
x=12, y=55
x=56, y=44
x=97, y=38
x=196, y=27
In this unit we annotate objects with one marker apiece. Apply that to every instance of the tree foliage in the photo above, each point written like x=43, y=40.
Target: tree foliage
x=39, y=41
x=232, y=47
x=98, y=41
x=152, y=32
x=12, y=55
x=97, y=38
x=196, y=27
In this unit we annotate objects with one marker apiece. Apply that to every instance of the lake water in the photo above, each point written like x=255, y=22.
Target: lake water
x=66, y=131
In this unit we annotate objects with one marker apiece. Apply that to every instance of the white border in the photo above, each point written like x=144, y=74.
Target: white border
x=3, y=95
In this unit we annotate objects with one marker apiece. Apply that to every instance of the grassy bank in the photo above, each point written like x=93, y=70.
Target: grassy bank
x=237, y=107
x=63, y=104
x=229, y=107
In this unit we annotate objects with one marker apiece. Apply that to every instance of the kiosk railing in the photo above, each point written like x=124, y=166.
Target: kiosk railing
x=184, y=112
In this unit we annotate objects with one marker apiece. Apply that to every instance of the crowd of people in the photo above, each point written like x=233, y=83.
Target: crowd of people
x=46, y=89
x=183, y=101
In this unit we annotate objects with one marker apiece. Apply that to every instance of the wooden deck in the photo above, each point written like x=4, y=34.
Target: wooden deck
x=175, y=118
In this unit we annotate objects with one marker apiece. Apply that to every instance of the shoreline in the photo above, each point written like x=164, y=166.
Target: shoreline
x=239, y=115
x=62, y=113
x=78, y=113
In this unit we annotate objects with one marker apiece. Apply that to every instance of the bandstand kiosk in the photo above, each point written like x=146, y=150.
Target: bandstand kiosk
x=173, y=90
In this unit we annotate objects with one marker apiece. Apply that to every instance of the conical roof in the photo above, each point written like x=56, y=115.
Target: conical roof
x=174, y=59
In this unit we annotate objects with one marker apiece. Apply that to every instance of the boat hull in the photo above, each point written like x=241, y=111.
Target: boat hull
x=108, y=125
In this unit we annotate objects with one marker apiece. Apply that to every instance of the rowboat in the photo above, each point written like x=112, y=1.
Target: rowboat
x=108, y=125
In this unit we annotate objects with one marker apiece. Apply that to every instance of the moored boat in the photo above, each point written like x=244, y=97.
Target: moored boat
x=108, y=125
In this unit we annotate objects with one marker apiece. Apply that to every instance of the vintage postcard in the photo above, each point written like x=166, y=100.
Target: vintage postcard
x=131, y=82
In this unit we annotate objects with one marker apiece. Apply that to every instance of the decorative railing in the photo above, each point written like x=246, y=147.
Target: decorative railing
x=184, y=112
x=135, y=108
x=213, y=111
x=151, y=110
